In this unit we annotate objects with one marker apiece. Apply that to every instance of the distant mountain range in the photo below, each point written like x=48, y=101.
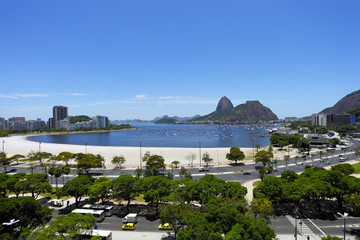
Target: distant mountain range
x=175, y=118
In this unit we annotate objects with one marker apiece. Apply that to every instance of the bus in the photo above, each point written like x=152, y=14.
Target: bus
x=108, y=209
x=98, y=214
x=89, y=233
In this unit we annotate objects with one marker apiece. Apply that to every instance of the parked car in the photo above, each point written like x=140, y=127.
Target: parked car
x=165, y=226
x=204, y=169
x=246, y=173
x=128, y=226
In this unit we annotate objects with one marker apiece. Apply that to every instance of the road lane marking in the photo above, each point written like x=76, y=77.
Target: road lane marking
x=316, y=226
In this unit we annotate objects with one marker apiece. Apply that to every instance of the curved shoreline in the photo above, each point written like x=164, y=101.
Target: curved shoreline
x=21, y=145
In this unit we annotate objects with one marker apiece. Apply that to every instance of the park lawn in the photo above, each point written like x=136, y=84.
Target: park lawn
x=356, y=167
x=139, y=199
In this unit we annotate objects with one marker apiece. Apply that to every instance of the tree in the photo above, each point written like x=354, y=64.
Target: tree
x=155, y=189
x=334, y=141
x=39, y=156
x=174, y=213
x=289, y=175
x=207, y=159
x=209, y=187
x=77, y=188
x=16, y=157
x=328, y=237
x=262, y=157
x=4, y=161
x=32, y=168
x=154, y=165
x=118, y=160
x=56, y=172
x=29, y=211
x=139, y=172
x=88, y=161
x=235, y=154
x=257, y=147
x=65, y=171
x=344, y=168
x=184, y=173
x=36, y=184
x=303, y=145
x=286, y=158
x=12, y=180
x=3, y=187
x=260, y=208
x=123, y=188
x=64, y=157
x=271, y=151
x=101, y=189
x=67, y=226
x=175, y=163
x=248, y=228
x=191, y=157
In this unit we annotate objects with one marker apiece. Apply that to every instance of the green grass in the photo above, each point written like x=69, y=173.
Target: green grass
x=140, y=198
x=356, y=167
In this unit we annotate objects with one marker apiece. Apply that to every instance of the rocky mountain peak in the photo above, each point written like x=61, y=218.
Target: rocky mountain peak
x=224, y=103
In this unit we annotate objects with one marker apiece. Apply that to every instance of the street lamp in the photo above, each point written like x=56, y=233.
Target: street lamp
x=345, y=216
x=296, y=216
x=3, y=145
x=200, y=152
x=86, y=147
x=39, y=146
x=140, y=154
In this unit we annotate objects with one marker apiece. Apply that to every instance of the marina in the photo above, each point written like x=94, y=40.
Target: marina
x=170, y=135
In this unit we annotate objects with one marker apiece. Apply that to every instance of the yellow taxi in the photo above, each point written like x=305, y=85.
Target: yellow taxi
x=128, y=226
x=165, y=226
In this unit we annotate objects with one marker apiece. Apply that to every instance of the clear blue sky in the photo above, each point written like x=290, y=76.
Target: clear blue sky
x=143, y=59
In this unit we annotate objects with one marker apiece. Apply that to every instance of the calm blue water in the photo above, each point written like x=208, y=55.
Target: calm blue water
x=169, y=135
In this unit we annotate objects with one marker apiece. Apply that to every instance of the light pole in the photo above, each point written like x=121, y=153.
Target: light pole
x=140, y=154
x=252, y=139
x=345, y=215
x=39, y=146
x=86, y=147
x=296, y=216
x=3, y=146
x=200, y=152
x=217, y=153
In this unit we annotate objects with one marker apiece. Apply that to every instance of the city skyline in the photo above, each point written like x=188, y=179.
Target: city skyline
x=146, y=59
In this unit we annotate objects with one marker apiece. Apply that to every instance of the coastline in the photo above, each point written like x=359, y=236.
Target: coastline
x=21, y=145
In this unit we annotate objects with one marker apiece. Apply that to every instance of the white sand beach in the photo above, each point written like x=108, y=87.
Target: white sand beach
x=20, y=145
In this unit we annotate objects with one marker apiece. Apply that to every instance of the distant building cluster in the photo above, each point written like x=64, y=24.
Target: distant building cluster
x=21, y=123
x=332, y=120
x=60, y=119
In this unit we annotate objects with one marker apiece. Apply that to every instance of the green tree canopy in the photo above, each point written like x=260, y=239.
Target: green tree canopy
x=235, y=154
x=101, y=189
x=67, y=226
x=262, y=157
x=154, y=165
x=123, y=188
x=118, y=160
x=77, y=188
